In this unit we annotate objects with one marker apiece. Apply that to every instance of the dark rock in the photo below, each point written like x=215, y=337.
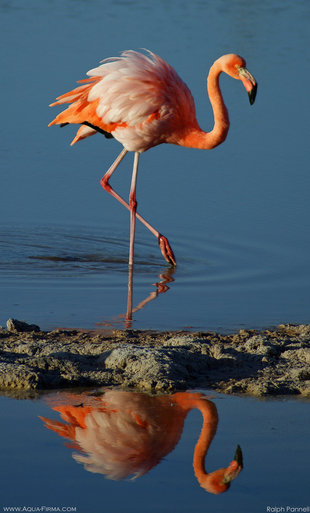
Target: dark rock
x=16, y=326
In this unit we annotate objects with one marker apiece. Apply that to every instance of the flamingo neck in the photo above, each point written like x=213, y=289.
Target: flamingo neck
x=197, y=138
x=188, y=401
x=210, y=421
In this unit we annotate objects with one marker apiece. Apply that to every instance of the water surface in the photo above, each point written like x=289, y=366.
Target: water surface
x=56, y=468
x=77, y=277
x=237, y=217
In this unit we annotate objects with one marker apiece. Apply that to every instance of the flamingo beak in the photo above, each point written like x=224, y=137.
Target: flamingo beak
x=235, y=467
x=249, y=83
x=238, y=456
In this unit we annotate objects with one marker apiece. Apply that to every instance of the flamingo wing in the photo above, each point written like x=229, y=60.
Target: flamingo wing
x=139, y=99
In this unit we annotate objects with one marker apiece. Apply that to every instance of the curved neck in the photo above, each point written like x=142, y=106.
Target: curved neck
x=188, y=401
x=210, y=421
x=197, y=138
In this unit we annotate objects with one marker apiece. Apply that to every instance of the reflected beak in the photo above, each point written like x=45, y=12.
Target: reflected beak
x=249, y=83
x=238, y=456
x=235, y=467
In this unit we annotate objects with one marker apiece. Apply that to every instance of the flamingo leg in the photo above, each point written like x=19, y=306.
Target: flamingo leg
x=133, y=207
x=162, y=240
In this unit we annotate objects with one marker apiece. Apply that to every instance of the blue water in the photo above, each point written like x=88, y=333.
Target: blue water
x=64, y=276
x=39, y=467
x=236, y=216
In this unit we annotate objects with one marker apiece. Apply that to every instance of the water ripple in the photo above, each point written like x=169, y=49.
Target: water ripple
x=53, y=251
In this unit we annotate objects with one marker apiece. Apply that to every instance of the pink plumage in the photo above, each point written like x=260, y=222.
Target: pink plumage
x=137, y=98
x=141, y=101
x=125, y=434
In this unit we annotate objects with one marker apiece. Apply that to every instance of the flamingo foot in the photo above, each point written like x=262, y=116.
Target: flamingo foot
x=166, y=250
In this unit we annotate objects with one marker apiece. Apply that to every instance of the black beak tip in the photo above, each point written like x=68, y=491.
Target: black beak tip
x=238, y=456
x=252, y=94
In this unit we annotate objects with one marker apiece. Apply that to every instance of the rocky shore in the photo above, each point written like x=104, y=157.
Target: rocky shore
x=259, y=363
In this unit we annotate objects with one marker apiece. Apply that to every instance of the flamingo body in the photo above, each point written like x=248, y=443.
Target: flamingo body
x=141, y=101
x=125, y=434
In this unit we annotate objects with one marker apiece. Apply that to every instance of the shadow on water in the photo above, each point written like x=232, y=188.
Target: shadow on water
x=62, y=250
x=124, y=434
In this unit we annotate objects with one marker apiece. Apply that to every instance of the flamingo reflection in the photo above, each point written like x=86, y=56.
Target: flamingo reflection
x=122, y=434
x=161, y=287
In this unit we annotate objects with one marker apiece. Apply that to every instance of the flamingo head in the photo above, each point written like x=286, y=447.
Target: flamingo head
x=235, y=67
x=219, y=481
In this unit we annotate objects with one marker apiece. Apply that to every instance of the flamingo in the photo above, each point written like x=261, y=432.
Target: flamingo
x=141, y=101
x=121, y=433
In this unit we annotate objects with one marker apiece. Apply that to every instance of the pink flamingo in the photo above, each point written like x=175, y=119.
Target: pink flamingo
x=141, y=101
x=122, y=434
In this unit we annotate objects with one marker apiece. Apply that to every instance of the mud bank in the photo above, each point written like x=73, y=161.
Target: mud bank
x=258, y=363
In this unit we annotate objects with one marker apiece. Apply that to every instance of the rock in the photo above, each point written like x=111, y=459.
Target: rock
x=270, y=362
x=16, y=326
x=152, y=368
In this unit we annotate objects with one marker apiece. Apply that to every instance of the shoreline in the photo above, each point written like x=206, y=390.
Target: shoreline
x=259, y=363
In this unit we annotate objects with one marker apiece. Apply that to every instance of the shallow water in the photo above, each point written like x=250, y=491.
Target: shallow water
x=236, y=217
x=46, y=467
x=77, y=277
